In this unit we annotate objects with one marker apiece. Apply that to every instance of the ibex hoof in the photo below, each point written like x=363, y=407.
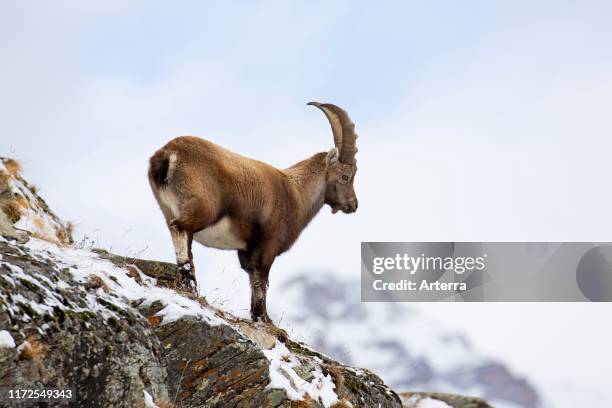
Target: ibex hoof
x=186, y=278
x=263, y=318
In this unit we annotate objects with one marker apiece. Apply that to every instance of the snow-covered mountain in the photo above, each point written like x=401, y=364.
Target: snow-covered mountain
x=409, y=350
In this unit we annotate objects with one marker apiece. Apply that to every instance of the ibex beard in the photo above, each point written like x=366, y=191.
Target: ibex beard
x=227, y=201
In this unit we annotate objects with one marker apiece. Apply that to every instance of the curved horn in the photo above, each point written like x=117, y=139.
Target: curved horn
x=343, y=129
x=334, y=121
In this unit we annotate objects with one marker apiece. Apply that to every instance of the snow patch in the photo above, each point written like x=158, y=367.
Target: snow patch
x=148, y=400
x=6, y=340
x=283, y=376
x=417, y=401
x=122, y=289
x=432, y=403
x=34, y=218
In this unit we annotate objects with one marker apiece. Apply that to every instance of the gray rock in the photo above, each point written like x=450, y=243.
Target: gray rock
x=112, y=359
x=109, y=361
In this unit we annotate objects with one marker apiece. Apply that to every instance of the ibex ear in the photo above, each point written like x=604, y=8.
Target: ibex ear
x=332, y=156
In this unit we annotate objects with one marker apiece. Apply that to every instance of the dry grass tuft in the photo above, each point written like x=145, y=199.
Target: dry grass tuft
x=39, y=222
x=32, y=349
x=337, y=377
x=64, y=233
x=343, y=403
x=22, y=202
x=307, y=402
x=61, y=235
x=12, y=166
x=4, y=178
x=202, y=301
x=12, y=211
x=70, y=230
x=154, y=320
x=96, y=282
x=132, y=272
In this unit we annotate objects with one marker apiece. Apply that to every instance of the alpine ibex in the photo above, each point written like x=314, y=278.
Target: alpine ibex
x=227, y=201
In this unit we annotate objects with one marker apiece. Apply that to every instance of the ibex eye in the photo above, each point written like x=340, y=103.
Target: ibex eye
x=345, y=177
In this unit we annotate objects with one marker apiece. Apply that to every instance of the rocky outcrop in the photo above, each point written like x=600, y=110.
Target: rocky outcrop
x=61, y=342
x=86, y=325
x=24, y=213
x=117, y=331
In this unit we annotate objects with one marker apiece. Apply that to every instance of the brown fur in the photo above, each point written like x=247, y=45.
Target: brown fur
x=266, y=208
x=228, y=184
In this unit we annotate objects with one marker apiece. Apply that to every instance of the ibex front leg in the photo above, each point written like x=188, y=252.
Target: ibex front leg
x=258, y=270
x=184, y=259
x=259, y=291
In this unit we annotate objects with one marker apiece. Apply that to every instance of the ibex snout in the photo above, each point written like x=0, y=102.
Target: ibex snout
x=351, y=207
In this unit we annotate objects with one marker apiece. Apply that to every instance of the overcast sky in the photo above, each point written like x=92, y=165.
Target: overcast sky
x=483, y=121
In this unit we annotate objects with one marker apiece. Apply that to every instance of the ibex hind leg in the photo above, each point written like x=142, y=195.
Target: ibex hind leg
x=192, y=216
x=182, y=241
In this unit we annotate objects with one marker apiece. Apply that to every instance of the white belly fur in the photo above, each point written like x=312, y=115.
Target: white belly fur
x=219, y=236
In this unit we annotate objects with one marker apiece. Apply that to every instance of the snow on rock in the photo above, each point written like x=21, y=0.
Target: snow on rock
x=25, y=209
x=6, y=340
x=432, y=403
x=57, y=297
x=69, y=336
x=148, y=400
x=283, y=376
x=115, y=288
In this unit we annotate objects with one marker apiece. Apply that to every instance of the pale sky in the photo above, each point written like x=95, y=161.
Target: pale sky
x=478, y=121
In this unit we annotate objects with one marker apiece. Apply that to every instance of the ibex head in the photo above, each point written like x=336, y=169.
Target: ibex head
x=339, y=192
